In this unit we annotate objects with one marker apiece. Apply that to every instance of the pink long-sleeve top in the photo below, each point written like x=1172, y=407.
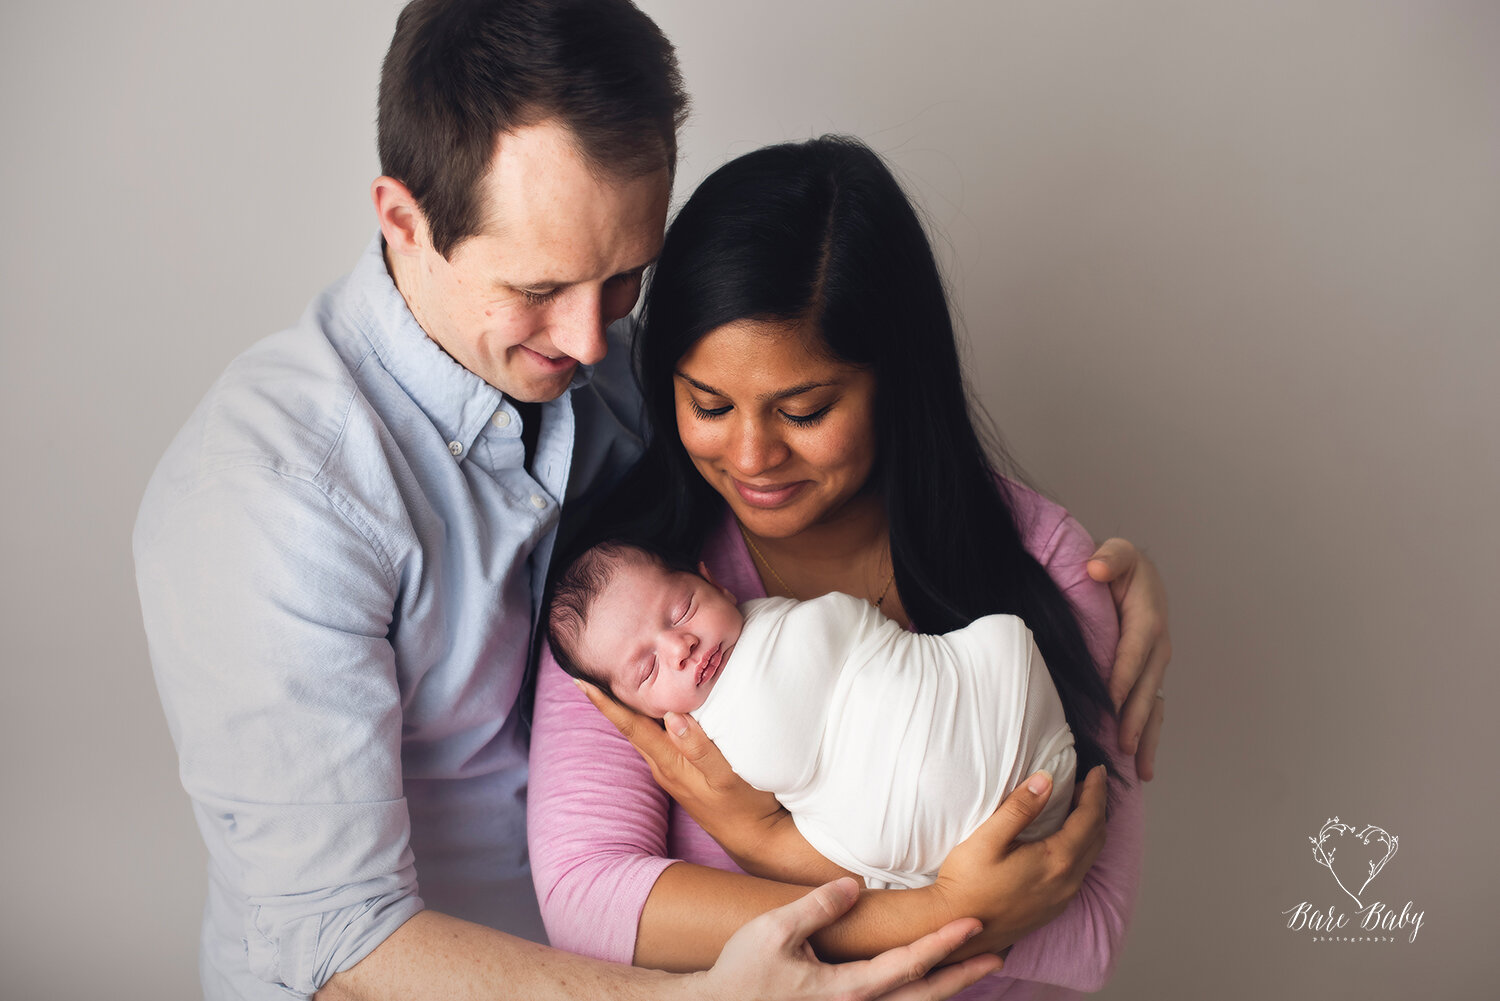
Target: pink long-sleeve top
x=601, y=831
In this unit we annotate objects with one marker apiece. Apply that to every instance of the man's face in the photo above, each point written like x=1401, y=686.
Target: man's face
x=661, y=637
x=558, y=259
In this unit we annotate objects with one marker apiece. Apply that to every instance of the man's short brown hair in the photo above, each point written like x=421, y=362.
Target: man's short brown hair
x=461, y=72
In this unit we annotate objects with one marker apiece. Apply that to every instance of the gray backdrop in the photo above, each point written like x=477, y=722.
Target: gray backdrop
x=1228, y=276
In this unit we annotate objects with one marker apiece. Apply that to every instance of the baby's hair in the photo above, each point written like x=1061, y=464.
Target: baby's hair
x=574, y=592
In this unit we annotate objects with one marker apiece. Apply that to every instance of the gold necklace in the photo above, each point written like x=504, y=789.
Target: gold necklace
x=788, y=588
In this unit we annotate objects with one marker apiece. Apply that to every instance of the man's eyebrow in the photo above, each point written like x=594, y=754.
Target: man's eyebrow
x=559, y=283
x=771, y=397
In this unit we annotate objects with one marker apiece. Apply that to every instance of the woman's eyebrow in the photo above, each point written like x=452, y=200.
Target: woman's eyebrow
x=771, y=397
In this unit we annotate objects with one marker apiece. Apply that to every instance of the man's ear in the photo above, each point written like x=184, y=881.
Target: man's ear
x=401, y=221
x=709, y=576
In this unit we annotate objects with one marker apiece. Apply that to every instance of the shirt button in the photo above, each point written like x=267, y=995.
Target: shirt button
x=456, y=447
x=501, y=419
x=538, y=501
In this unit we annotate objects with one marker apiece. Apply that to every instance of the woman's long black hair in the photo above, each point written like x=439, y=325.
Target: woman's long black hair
x=821, y=231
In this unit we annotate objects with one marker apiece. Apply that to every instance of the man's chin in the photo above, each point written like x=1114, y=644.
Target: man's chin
x=534, y=388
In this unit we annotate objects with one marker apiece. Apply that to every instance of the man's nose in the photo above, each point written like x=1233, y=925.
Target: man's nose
x=578, y=326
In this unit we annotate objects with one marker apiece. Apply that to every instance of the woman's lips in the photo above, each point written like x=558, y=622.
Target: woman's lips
x=769, y=495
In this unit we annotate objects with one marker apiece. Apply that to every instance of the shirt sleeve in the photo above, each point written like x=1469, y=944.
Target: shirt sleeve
x=266, y=606
x=1078, y=949
x=596, y=823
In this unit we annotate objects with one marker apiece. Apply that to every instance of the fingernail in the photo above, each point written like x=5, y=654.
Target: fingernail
x=1039, y=782
x=972, y=933
x=578, y=684
x=676, y=722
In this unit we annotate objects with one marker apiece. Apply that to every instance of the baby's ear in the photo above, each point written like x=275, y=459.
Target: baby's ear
x=709, y=576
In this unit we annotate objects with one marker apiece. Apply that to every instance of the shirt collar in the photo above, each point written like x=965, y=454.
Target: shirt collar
x=457, y=401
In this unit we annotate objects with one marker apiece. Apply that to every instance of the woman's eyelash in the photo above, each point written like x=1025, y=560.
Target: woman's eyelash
x=704, y=414
x=539, y=298
x=807, y=420
x=801, y=420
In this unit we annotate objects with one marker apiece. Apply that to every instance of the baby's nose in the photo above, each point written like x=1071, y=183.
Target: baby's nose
x=685, y=644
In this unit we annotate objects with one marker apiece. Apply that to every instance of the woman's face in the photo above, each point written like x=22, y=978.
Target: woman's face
x=784, y=433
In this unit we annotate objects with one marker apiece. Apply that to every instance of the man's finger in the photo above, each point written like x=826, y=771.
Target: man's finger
x=903, y=971
x=1113, y=558
x=1143, y=699
x=949, y=980
x=1131, y=654
x=817, y=909
x=1145, y=759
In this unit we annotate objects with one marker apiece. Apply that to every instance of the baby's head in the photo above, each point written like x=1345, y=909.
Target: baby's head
x=653, y=635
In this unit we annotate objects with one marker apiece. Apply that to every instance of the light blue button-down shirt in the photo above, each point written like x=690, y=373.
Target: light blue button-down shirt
x=340, y=561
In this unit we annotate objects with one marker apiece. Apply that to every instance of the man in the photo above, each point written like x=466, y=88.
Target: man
x=341, y=556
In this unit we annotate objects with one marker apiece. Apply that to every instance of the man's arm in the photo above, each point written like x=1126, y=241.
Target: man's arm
x=438, y=957
x=267, y=614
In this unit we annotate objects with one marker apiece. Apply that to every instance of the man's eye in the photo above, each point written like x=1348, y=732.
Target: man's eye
x=534, y=298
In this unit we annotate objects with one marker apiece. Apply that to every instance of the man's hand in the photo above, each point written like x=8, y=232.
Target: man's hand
x=751, y=825
x=1016, y=888
x=770, y=958
x=1144, y=649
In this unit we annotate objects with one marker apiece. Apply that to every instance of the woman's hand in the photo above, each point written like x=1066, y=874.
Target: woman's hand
x=1015, y=888
x=1144, y=649
x=751, y=826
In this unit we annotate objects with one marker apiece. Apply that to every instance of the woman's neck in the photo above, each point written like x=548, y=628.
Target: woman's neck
x=849, y=552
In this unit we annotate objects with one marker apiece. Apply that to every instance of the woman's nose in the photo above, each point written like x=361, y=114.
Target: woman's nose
x=756, y=449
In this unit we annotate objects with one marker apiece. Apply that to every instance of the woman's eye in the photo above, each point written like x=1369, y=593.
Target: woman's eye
x=534, y=298
x=806, y=420
x=703, y=413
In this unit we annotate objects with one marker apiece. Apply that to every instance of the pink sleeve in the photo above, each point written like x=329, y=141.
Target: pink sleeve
x=1079, y=948
x=596, y=823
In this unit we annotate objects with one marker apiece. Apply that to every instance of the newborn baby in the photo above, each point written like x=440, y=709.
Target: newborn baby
x=888, y=747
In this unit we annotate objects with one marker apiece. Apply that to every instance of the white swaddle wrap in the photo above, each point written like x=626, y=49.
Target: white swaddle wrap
x=888, y=747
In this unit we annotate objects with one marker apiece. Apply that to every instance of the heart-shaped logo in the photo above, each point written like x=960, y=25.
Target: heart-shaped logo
x=1354, y=856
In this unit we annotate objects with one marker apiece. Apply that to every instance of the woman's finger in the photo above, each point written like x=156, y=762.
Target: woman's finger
x=1081, y=837
x=642, y=732
x=694, y=745
x=1016, y=812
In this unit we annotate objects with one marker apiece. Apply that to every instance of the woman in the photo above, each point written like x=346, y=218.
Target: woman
x=797, y=337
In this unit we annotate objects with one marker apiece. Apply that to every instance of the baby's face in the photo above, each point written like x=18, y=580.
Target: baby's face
x=660, y=637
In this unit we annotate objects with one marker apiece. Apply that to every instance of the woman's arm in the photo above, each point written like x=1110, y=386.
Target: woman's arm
x=599, y=833
x=1080, y=948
